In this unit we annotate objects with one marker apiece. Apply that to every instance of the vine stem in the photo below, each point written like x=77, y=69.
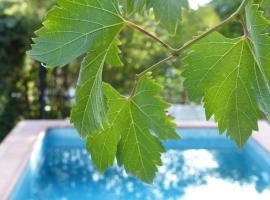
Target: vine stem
x=203, y=35
x=177, y=52
x=153, y=67
x=244, y=25
x=140, y=29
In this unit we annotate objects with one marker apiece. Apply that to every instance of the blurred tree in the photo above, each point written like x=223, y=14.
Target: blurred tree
x=14, y=37
x=18, y=76
x=224, y=10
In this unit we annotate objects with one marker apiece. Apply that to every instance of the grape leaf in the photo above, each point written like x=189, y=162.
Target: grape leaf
x=103, y=148
x=260, y=41
x=113, y=54
x=133, y=5
x=169, y=13
x=138, y=149
x=75, y=27
x=221, y=70
x=90, y=109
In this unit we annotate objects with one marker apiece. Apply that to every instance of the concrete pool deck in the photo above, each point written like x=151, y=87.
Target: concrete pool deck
x=16, y=149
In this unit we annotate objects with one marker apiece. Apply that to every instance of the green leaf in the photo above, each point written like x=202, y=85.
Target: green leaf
x=134, y=119
x=169, y=13
x=133, y=5
x=221, y=70
x=103, y=148
x=113, y=54
x=90, y=109
x=233, y=76
x=260, y=41
x=73, y=28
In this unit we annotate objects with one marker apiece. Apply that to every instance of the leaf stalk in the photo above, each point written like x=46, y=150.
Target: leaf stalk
x=206, y=33
x=140, y=29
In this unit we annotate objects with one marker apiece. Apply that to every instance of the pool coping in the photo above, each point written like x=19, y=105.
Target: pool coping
x=16, y=149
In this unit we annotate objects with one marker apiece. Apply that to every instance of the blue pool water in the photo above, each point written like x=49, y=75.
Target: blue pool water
x=203, y=165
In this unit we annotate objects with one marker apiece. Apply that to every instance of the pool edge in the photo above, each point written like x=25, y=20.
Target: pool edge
x=16, y=149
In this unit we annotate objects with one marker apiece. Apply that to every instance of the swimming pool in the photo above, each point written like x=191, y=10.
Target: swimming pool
x=203, y=165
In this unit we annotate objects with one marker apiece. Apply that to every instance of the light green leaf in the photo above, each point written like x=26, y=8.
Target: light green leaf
x=113, y=54
x=103, y=148
x=221, y=70
x=133, y=5
x=233, y=76
x=73, y=28
x=90, y=109
x=152, y=109
x=257, y=26
x=169, y=12
x=260, y=41
x=138, y=149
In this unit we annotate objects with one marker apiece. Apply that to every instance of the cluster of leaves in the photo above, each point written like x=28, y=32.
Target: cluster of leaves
x=218, y=70
x=95, y=32
x=19, y=76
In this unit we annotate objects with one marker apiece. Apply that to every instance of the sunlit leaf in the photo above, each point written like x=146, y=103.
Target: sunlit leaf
x=103, y=148
x=113, y=57
x=260, y=41
x=221, y=70
x=90, y=109
x=232, y=76
x=169, y=12
x=134, y=119
x=73, y=28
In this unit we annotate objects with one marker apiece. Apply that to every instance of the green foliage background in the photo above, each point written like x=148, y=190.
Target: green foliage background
x=19, y=79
